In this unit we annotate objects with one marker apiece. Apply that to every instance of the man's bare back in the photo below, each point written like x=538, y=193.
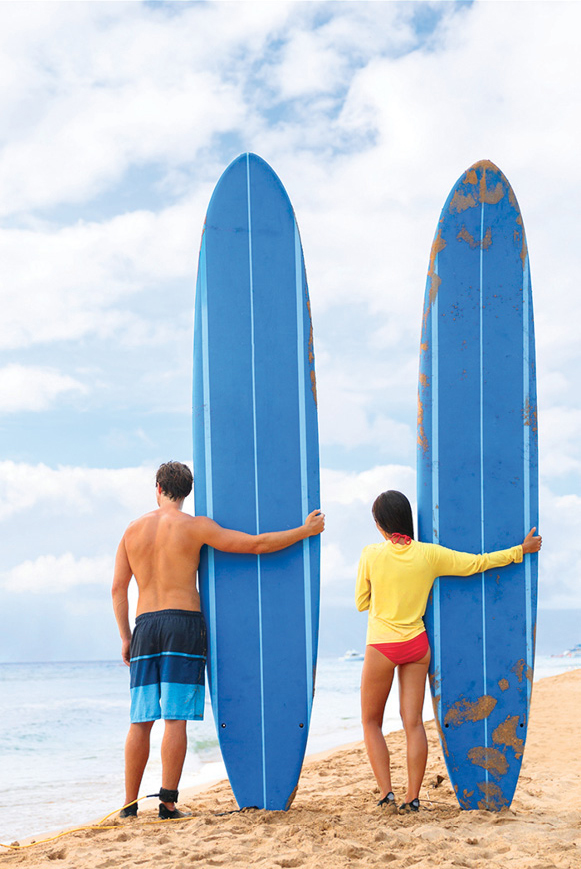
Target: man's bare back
x=163, y=553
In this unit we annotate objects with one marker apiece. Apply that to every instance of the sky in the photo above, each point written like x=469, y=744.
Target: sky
x=117, y=123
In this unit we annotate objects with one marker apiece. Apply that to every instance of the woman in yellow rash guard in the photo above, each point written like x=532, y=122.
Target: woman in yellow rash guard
x=393, y=582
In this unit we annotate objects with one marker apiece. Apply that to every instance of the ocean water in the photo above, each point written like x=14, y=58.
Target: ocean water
x=63, y=728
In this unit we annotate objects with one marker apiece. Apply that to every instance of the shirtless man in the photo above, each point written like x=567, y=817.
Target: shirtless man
x=167, y=651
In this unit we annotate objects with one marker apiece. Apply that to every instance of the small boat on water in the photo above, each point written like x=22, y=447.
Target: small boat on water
x=352, y=655
x=575, y=652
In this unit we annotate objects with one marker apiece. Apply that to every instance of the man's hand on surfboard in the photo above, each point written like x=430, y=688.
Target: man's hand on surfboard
x=315, y=522
x=531, y=543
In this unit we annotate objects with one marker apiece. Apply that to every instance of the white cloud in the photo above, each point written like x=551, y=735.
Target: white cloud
x=112, y=88
x=352, y=488
x=103, y=88
x=51, y=574
x=560, y=557
x=350, y=418
x=334, y=568
x=363, y=405
x=33, y=388
x=560, y=442
x=319, y=59
x=73, y=490
x=68, y=283
x=75, y=157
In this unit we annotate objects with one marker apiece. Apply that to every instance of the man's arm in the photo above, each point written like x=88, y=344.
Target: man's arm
x=257, y=544
x=121, y=580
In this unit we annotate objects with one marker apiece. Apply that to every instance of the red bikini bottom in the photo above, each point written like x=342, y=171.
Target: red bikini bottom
x=407, y=652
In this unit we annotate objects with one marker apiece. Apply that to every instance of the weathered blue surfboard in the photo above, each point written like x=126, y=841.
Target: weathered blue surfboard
x=478, y=481
x=256, y=469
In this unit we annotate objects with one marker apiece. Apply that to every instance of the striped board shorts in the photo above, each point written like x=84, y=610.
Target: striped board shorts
x=168, y=659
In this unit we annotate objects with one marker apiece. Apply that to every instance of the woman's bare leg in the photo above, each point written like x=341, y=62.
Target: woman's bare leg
x=412, y=688
x=376, y=681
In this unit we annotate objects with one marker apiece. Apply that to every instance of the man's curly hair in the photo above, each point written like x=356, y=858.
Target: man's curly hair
x=175, y=480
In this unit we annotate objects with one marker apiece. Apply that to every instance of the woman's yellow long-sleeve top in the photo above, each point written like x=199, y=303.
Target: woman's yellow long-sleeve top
x=394, y=582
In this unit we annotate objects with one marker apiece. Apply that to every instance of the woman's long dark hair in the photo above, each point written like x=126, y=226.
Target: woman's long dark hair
x=392, y=512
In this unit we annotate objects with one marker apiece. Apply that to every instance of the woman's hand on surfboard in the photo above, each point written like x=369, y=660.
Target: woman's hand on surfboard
x=531, y=543
x=315, y=522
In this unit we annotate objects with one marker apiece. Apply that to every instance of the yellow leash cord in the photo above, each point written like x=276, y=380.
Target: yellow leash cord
x=97, y=826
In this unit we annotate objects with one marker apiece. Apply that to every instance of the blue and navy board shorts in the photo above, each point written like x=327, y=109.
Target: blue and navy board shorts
x=168, y=659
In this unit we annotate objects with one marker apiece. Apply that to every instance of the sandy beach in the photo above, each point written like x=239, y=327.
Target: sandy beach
x=335, y=822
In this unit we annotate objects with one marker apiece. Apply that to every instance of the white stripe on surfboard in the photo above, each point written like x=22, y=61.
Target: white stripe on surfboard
x=436, y=496
x=527, y=469
x=259, y=579
x=208, y=473
x=303, y=459
x=482, y=537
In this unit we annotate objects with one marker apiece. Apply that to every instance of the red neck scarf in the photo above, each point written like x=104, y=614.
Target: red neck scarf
x=400, y=538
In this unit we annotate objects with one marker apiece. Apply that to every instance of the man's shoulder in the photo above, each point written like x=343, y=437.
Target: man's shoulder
x=140, y=521
x=193, y=530
x=193, y=526
x=195, y=521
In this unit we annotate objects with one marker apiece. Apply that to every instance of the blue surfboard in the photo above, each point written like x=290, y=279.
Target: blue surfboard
x=478, y=481
x=256, y=469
